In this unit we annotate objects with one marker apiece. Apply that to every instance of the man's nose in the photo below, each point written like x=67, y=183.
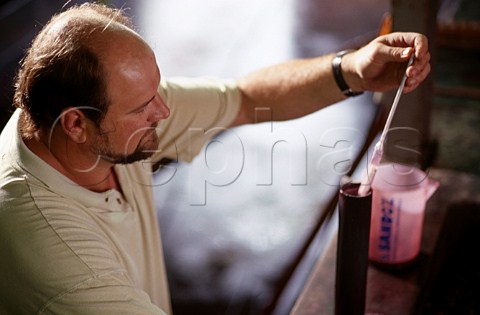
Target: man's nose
x=161, y=111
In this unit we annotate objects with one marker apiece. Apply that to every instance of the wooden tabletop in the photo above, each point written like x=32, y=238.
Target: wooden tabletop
x=388, y=292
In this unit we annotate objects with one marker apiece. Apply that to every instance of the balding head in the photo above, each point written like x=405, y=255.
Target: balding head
x=63, y=67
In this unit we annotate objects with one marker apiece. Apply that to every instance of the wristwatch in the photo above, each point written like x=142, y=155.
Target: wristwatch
x=337, y=74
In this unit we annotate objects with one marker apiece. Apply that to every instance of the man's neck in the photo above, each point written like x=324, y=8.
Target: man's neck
x=79, y=166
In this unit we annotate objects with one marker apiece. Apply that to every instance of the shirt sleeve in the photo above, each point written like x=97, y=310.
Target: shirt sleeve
x=103, y=295
x=200, y=108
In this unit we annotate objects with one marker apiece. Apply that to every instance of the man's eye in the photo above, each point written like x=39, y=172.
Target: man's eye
x=141, y=110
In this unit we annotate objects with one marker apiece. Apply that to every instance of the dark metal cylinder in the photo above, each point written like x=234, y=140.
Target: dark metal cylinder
x=352, y=250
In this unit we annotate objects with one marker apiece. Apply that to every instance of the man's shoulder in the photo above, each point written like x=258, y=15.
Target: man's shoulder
x=49, y=226
x=20, y=191
x=50, y=245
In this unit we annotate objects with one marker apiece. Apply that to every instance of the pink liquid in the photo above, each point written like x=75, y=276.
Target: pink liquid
x=395, y=232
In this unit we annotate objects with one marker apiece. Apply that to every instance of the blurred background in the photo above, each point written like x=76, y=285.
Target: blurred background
x=242, y=225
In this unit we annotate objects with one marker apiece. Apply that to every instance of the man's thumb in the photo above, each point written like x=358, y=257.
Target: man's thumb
x=405, y=52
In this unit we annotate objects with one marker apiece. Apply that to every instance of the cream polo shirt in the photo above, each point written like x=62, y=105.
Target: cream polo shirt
x=67, y=250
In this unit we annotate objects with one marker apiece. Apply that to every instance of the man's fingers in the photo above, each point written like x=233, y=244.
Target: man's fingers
x=387, y=53
x=415, y=77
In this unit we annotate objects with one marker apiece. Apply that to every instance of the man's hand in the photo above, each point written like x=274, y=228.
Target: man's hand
x=299, y=87
x=380, y=65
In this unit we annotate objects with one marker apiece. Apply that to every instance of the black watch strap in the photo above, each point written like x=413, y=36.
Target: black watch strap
x=337, y=74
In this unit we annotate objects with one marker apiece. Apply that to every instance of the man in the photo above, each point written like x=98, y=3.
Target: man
x=77, y=222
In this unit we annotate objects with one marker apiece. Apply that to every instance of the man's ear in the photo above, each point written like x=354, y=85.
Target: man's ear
x=74, y=124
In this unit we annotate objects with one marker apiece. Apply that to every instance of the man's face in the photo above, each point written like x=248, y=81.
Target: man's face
x=127, y=133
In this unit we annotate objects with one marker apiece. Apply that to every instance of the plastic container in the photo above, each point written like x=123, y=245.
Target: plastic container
x=399, y=196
